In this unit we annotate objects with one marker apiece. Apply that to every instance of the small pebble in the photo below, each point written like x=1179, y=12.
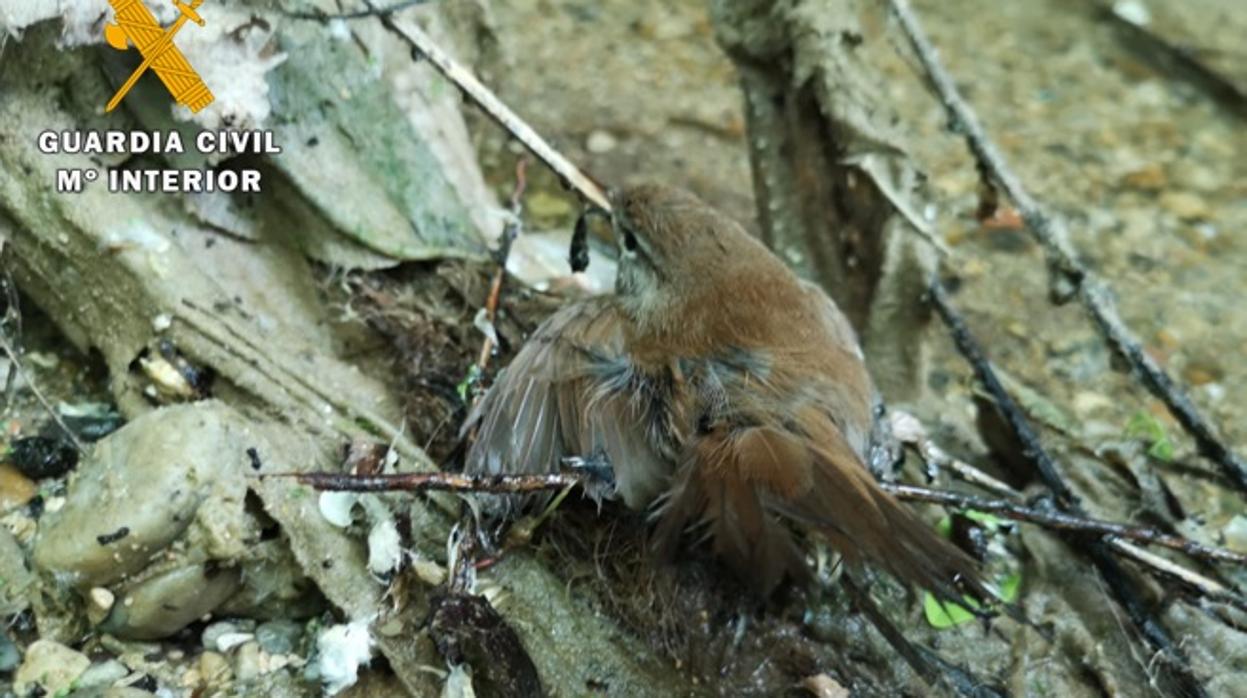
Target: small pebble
x=214, y=669
x=212, y=634
x=104, y=673
x=279, y=636
x=51, y=666
x=15, y=489
x=1185, y=205
x=250, y=662
x=1147, y=178
x=1087, y=402
x=228, y=641
x=600, y=141
x=10, y=655
x=100, y=602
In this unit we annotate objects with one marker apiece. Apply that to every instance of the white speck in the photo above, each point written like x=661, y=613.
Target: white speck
x=482, y=323
x=102, y=598
x=929, y=212
x=343, y=649
x=385, y=548
x=336, y=507
x=228, y=641
x=458, y=684
x=339, y=30
x=600, y=141
x=1133, y=11
x=162, y=322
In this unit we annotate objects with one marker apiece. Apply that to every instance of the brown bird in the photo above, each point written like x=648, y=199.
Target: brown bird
x=723, y=392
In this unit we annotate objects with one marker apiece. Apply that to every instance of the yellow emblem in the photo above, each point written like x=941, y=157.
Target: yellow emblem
x=136, y=24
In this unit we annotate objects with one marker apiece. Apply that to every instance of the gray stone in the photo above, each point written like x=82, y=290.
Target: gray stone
x=165, y=603
x=141, y=489
x=51, y=666
x=10, y=655
x=110, y=692
x=18, y=581
x=279, y=636
x=215, y=631
x=102, y=674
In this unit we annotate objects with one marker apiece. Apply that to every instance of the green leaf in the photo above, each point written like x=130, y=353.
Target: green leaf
x=469, y=381
x=1143, y=425
x=945, y=614
x=1009, y=587
x=988, y=521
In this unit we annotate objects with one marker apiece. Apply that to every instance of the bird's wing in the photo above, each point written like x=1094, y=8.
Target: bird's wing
x=571, y=391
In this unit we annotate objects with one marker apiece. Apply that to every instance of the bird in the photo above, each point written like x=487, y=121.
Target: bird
x=726, y=395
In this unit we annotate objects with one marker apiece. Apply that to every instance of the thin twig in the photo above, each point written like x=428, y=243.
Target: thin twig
x=510, y=231
x=434, y=481
x=498, y=111
x=930, y=666
x=908, y=430
x=1009, y=409
x=322, y=16
x=1177, y=60
x=1068, y=275
x=1214, y=591
x=15, y=363
x=1209, y=588
x=1124, y=590
x=1062, y=521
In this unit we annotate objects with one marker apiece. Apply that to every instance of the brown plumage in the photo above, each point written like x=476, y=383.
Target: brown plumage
x=724, y=392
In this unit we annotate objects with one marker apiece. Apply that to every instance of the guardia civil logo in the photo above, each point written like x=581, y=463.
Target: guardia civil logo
x=135, y=24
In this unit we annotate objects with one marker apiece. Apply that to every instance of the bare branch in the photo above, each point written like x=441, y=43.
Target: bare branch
x=434, y=481
x=16, y=369
x=909, y=431
x=322, y=16
x=1062, y=521
x=1068, y=275
x=1181, y=678
x=498, y=111
x=1212, y=590
x=510, y=231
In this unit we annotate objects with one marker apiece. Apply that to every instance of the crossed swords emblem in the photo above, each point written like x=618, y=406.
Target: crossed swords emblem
x=136, y=24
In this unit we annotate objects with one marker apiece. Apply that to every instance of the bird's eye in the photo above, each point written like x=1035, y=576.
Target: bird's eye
x=630, y=243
